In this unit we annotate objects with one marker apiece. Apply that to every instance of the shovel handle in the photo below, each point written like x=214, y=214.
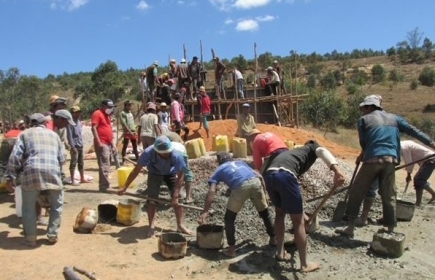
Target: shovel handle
x=316, y=211
x=415, y=161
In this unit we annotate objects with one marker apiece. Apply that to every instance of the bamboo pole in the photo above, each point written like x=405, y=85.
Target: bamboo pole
x=255, y=82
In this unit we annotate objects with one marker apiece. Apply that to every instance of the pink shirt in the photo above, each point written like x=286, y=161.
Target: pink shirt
x=177, y=111
x=413, y=151
x=264, y=145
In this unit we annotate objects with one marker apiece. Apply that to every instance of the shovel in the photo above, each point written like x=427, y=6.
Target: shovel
x=342, y=205
x=316, y=211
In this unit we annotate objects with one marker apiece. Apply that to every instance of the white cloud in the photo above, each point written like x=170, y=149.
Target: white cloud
x=249, y=4
x=247, y=25
x=266, y=18
x=222, y=4
x=69, y=5
x=142, y=6
x=228, y=21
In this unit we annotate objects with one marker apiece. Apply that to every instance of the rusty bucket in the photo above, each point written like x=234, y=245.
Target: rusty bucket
x=172, y=245
x=210, y=236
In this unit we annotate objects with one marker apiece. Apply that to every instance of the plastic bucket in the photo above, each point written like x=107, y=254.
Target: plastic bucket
x=404, y=210
x=128, y=212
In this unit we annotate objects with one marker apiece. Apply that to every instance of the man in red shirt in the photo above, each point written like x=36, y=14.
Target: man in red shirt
x=204, y=108
x=265, y=145
x=103, y=141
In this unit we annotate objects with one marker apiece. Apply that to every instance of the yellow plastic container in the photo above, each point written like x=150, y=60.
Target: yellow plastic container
x=128, y=212
x=202, y=146
x=221, y=143
x=192, y=148
x=123, y=173
x=290, y=144
x=240, y=150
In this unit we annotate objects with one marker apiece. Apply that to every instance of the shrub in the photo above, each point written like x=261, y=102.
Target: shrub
x=427, y=77
x=352, y=88
x=414, y=84
x=328, y=82
x=378, y=73
x=395, y=76
x=359, y=77
x=312, y=81
x=352, y=112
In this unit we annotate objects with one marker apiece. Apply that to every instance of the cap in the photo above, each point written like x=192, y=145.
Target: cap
x=165, y=75
x=64, y=114
x=151, y=106
x=246, y=105
x=195, y=57
x=75, y=109
x=223, y=157
x=53, y=98
x=183, y=60
x=373, y=99
x=163, y=145
x=163, y=104
x=253, y=132
x=201, y=88
x=37, y=118
x=275, y=61
x=127, y=102
x=21, y=122
x=269, y=68
x=156, y=63
x=108, y=103
x=59, y=100
x=172, y=61
x=216, y=58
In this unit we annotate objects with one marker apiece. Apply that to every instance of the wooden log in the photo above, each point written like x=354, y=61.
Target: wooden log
x=85, y=273
x=69, y=274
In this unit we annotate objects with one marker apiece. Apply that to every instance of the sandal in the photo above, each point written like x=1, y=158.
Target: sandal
x=344, y=233
x=52, y=239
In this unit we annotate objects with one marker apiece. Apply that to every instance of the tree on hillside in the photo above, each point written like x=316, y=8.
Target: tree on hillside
x=414, y=38
x=108, y=81
x=328, y=81
x=265, y=59
x=240, y=62
x=427, y=77
x=378, y=73
x=428, y=48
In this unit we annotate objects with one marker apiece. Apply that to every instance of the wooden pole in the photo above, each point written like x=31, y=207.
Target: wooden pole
x=184, y=52
x=255, y=82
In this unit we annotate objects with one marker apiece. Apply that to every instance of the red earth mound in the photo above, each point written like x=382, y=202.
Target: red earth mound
x=299, y=136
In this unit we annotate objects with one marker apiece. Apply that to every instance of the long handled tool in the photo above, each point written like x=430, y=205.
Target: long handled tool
x=158, y=200
x=319, y=207
x=342, y=205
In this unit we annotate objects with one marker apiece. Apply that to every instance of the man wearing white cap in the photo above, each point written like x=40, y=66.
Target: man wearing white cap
x=167, y=165
x=38, y=154
x=379, y=136
x=183, y=77
x=245, y=122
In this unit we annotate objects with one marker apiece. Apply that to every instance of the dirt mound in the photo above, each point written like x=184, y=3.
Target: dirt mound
x=299, y=136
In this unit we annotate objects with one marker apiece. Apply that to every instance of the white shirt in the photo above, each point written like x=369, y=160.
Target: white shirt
x=179, y=147
x=147, y=124
x=274, y=77
x=413, y=151
x=238, y=74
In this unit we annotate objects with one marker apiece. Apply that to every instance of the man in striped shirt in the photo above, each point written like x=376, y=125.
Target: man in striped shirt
x=38, y=154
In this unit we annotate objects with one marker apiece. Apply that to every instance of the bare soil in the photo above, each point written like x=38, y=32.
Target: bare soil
x=115, y=251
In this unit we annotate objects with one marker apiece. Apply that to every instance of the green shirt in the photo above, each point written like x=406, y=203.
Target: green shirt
x=127, y=121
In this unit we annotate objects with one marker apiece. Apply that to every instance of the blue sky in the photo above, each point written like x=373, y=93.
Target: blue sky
x=43, y=37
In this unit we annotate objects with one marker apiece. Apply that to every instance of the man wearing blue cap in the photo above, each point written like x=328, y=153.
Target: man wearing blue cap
x=167, y=165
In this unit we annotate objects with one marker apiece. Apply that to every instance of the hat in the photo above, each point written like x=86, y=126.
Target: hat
x=53, y=98
x=275, y=61
x=183, y=60
x=201, y=88
x=165, y=75
x=172, y=61
x=151, y=106
x=127, y=103
x=75, y=109
x=216, y=58
x=163, y=145
x=269, y=68
x=374, y=100
x=163, y=104
x=59, y=100
x=246, y=105
x=156, y=63
x=253, y=132
x=64, y=114
x=37, y=118
x=223, y=157
x=21, y=122
x=108, y=103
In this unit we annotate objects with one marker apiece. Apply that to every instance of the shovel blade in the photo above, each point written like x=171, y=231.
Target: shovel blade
x=339, y=211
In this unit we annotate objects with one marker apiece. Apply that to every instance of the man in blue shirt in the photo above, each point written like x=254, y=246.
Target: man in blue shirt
x=244, y=183
x=163, y=164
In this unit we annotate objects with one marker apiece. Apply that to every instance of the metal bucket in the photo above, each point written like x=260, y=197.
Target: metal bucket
x=172, y=245
x=210, y=236
x=404, y=210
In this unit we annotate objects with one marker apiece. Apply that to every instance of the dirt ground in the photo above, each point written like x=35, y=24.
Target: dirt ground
x=123, y=252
